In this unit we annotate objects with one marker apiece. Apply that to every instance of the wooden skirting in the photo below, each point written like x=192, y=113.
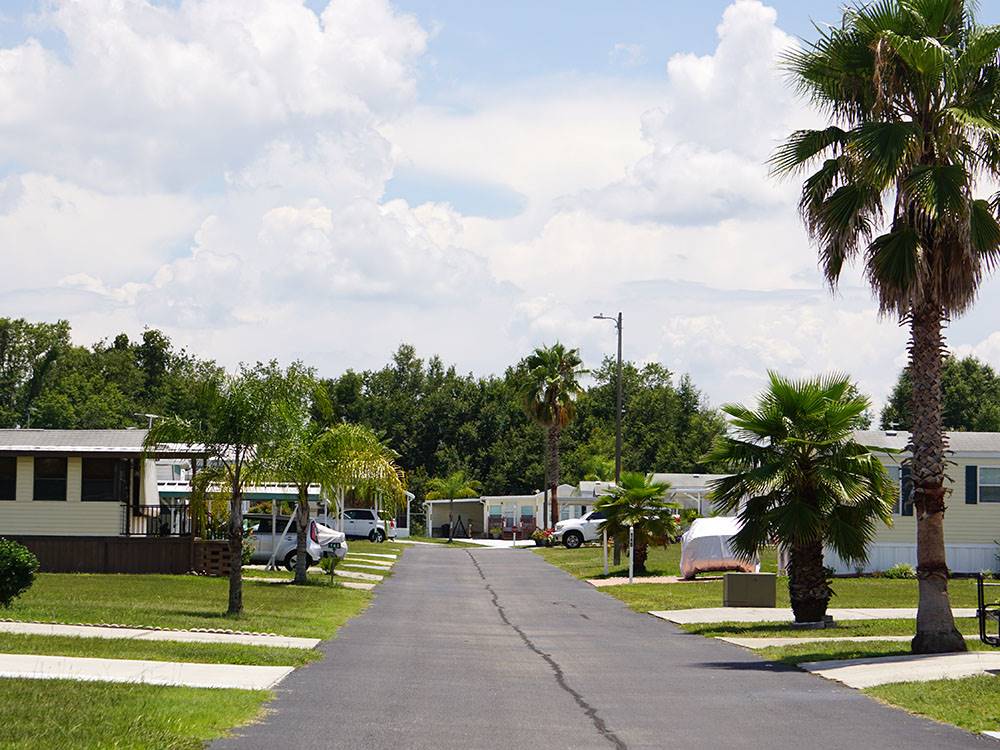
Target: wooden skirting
x=114, y=554
x=211, y=557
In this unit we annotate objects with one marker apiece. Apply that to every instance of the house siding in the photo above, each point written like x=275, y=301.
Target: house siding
x=970, y=529
x=70, y=518
x=964, y=523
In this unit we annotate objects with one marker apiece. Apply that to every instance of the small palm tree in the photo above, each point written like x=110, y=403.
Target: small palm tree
x=243, y=420
x=799, y=476
x=549, y=388
x=640, y=503
x=454, y=486
x=340, y=457
x=912, y=89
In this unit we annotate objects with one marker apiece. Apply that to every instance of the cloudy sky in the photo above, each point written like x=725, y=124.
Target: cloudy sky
x=324, y=180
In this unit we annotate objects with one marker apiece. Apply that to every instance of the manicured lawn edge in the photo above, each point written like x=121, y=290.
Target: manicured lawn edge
x=201, y=653
x=972, y=703
x=67, y=714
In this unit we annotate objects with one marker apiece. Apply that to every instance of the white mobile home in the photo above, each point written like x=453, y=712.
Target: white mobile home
x=972, y=521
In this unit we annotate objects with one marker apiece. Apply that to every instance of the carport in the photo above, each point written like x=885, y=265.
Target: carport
x=466, y=511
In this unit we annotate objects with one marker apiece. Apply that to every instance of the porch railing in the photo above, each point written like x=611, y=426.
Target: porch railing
x=156, y=520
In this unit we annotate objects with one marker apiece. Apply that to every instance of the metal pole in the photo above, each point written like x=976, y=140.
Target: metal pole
x=604, y=548
x=631, y=552
x=618, y=412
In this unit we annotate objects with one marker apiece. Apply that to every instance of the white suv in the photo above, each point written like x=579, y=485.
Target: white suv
x=320, y=542
x=575, y=531
x=364, y=523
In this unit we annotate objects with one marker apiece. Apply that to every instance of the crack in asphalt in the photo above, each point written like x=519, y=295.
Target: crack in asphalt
x=557, y=671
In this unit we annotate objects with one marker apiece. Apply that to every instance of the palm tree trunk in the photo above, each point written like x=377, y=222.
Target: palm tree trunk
x=553, y=461
x=808, y=587
x=639, y=556
x=936, y=631
x=451, y=522
x=302, y=529
x=236, y=544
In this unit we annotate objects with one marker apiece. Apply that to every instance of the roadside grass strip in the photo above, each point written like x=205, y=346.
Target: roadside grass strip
x=146, y=672
x=972, y=703
x=207, y=653
x=138, y=634
x=848, y=629
x=357, y=575
x=830, y=642
x=767, y=614
x=362, y=566
x=186, y=602
x=372, y=554
x=72, y=715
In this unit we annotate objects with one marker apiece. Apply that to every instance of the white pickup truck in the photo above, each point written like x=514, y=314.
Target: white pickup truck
x=573, y=532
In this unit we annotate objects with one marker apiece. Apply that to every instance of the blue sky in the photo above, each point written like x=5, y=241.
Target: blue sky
x=474, y=178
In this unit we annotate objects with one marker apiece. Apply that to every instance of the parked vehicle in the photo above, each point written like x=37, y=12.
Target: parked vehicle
x=573, y=532
x=705, y=548
x=322, y=541
x=364, y=523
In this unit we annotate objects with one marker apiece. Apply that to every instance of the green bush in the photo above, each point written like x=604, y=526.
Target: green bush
x=246, y=554
x=900, y=570
x=18, y=567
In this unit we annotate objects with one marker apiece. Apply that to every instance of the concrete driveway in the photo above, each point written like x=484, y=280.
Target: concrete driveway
x=498, y=649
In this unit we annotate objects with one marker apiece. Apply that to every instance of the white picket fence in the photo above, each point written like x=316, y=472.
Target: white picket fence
x=962, y=558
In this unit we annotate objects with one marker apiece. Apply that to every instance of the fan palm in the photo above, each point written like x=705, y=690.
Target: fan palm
x=640, y=503
x=454, y=486
x=912, y=88
x=799, y=476
x=340, y=457
x=549, y=388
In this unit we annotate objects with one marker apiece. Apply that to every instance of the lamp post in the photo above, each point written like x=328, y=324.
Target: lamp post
x=618, y=410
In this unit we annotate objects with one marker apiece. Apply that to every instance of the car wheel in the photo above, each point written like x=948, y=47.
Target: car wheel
x=381, y=536
x=573, y=539
x=373, y=535
x=290, y=561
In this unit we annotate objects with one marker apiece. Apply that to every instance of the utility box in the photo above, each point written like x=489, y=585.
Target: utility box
x=749, y=590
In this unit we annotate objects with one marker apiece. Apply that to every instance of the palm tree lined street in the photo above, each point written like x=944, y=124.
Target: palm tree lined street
x=528, y=655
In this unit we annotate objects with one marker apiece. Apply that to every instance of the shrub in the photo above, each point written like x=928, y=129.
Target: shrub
x=18, y=567
x=900, y=570
x=246, y=554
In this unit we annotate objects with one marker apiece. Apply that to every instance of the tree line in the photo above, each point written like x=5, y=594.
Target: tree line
x=436, y=418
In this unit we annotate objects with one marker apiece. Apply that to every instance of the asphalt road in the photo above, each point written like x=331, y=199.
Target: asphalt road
x=498, y=649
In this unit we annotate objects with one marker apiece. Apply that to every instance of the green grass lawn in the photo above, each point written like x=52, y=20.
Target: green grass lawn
x=849, y=593
x=187, y=601
x=642, y=597
x=204, y=653
x=588, y=562
x=845, y=628
x=364, y=546
x=70, y=715
x=972, y=703
x=804, y=652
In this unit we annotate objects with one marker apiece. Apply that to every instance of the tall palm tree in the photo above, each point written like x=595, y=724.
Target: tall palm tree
x=549, y=388
x=344, y=456
x=912, y=90
x=799, y=476
x=640, y=503
x=454, y=486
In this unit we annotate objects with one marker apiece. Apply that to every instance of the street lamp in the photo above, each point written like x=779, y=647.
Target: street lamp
x=618, y=412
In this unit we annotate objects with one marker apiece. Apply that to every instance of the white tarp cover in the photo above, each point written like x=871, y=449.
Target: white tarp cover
x=705, y=547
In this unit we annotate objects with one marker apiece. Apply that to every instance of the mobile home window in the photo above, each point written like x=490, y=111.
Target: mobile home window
x=895, y=476
x=102, y=480
x=8, y=478
x=50, y=479
x=989, y=485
